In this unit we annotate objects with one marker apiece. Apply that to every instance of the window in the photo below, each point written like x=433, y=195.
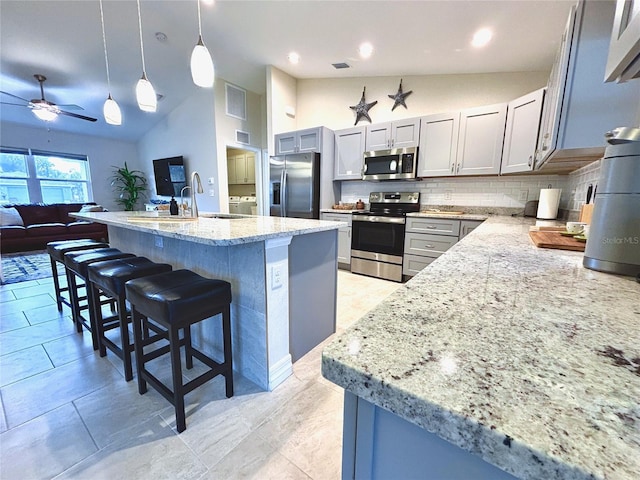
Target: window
x=30, y=176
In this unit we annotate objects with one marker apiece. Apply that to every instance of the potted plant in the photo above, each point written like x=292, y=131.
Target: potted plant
x=130, y=185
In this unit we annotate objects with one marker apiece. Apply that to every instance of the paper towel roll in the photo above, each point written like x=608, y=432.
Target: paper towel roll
x=548, y=204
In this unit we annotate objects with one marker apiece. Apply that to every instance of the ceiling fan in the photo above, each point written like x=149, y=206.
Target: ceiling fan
x=45, y=110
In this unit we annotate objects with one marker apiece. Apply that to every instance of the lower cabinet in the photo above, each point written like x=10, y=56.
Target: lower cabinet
x=344, y=237
x=427, y=238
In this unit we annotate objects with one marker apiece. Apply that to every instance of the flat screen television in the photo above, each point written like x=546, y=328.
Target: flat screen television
x=170, y=176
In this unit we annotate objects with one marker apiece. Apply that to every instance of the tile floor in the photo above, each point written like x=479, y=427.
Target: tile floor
x=67, y=413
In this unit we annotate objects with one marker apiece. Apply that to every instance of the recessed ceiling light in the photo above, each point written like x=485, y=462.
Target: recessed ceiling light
x=365, y=50
x=293, y=58
x=481, y=37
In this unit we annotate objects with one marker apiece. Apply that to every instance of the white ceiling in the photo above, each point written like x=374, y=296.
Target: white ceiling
x=63, y=41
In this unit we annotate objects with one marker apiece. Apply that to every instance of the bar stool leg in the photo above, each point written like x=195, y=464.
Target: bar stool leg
x=74, y=300
x=124, y=338
x=137, y=319
x=188, y=350
x=226, y=334
x=56, y=282
x=176, y=370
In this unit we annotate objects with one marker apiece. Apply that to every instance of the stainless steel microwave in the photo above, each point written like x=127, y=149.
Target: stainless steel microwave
x=393, y=164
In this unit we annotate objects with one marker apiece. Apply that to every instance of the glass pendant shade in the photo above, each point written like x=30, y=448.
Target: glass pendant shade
x=146, y=95
x=111, y=110
x=44, y=114
x=202, y=70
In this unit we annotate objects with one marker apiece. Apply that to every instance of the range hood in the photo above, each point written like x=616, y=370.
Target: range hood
x=579, y=106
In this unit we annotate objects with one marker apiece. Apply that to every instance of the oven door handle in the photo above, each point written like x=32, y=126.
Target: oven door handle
x=377, y=219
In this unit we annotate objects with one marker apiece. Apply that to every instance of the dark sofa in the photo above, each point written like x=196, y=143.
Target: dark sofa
x=47, y=223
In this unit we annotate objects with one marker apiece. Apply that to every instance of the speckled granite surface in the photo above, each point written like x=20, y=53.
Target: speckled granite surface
x=214, y=231
x=517, y=354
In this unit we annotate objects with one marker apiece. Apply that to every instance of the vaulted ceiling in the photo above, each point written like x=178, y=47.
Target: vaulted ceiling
x=63, y=41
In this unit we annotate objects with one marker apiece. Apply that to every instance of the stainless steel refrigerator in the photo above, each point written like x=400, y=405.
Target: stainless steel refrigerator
x=294, y=185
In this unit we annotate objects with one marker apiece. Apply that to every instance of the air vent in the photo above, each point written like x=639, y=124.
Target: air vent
x=340, y=65
x=242, y=137
x=236, y=102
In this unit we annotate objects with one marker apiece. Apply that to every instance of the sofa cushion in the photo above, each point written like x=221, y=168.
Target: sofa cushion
x=13, y=232
x=46, y=230
x=64, y=209
x=84, y=227
x=10, y=217
x=38, y=214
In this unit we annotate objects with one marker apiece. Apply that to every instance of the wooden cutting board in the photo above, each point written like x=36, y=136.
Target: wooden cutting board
x=546, y=239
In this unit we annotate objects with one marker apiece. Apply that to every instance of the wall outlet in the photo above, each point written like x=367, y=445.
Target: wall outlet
x=448, y=194
x=211, y=181
x=212, y=193
x=524, y=195
x=276, y=276
x=158, y=241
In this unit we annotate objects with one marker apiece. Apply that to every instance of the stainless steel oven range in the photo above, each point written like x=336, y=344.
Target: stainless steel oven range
x=377, y=236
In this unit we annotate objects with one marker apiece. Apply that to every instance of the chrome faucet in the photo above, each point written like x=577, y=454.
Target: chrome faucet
x=194, y=205
x=182, y=207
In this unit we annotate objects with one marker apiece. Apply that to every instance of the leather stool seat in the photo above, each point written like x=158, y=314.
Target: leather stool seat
x=174, y=301
x=76, y=264
x=109, y=277
x=56, y=251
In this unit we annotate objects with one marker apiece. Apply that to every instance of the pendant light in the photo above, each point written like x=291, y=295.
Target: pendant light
x=145, y=94
x=111, y=110
x=202, y=70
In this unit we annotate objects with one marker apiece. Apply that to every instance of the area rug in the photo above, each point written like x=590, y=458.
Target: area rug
x=21, y=267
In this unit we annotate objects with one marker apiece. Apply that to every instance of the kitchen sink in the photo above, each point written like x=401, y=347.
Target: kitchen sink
x=160, y=218
x=224, y=216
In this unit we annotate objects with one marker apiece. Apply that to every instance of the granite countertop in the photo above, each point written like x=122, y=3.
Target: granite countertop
x=449, y=216
x=211, y=231
x=517, y=354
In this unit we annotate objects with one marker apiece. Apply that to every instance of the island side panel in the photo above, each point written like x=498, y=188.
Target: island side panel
x=313, y=283
x=243, y=266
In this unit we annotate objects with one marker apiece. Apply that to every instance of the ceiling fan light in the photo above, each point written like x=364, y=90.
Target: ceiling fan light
x=45, y=114
x=146, y=95
x=112, y=113
x=202, y=71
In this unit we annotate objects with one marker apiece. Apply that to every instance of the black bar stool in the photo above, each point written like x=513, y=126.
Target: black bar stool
x=175, y=301
x=109, y=278
x=56, y=251
x=76, y=264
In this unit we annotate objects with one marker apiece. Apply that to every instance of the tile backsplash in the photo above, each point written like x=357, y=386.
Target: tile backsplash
x=578, y=184
x=507, y=191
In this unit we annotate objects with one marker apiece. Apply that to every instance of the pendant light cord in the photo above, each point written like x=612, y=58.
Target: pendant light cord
x=199, y=20
x=144, y=70
x=104, y=43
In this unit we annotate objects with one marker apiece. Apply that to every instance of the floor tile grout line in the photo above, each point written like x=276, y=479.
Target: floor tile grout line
x=86, y=427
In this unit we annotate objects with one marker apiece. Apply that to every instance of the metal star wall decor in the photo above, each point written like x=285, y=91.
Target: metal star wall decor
x=362, y=109
x=399, y=97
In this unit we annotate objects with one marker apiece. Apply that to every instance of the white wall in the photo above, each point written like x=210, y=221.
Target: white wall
x=281, y=94
x=103, y=154
x=189, y=130
x=326, y=101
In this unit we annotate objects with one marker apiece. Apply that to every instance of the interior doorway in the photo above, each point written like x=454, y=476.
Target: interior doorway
x=243, y=178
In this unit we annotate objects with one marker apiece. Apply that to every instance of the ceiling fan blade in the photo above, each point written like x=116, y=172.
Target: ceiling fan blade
x=16, y=104
x=15, y=96
x=75, y=115
x=70, y=107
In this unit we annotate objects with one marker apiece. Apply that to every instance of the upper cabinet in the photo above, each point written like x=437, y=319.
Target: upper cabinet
x=348, y=154
x=623, y=62
x=480, y=140
x=521, y=133
x=579, y=108
x=300, y=141
x=438, y=144
x=241, y=169
x=397, y=134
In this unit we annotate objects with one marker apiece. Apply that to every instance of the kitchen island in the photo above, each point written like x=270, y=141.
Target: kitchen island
x=498, y=360
x=283, y=275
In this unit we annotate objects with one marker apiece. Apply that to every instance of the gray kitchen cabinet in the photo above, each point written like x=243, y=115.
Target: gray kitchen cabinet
x=521, y=133
x=309, y=140
x=579, y=107
x=396, y=134
x=623, y=61
x=344, y=237
x=468, y=226
x=425, y=240
x=480, y=140
x=348, y=154
x=438, y=144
